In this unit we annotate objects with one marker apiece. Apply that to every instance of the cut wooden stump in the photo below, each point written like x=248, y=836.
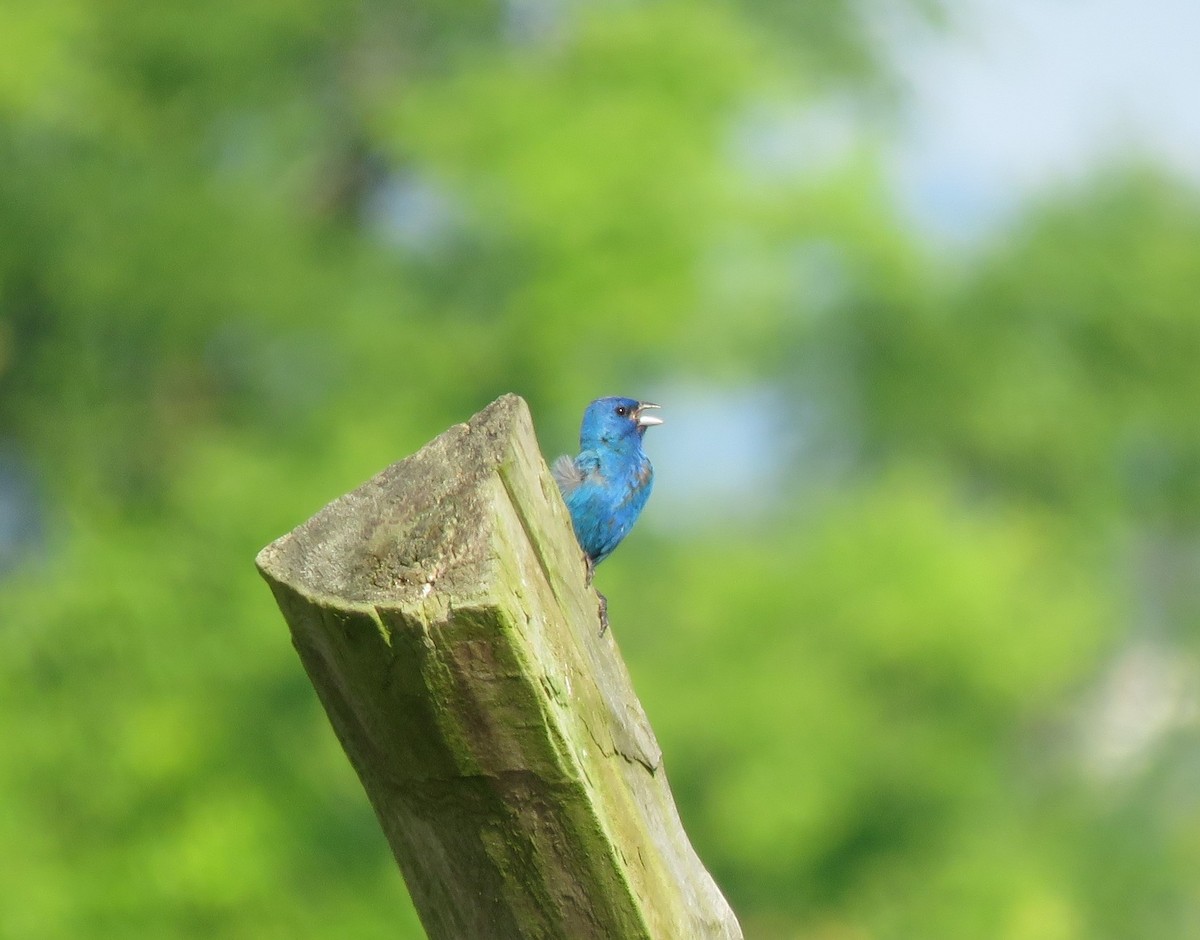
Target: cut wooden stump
x=440, y=611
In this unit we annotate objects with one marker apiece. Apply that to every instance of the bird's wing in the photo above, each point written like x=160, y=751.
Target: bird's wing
x=572, y=472
x=567, y=474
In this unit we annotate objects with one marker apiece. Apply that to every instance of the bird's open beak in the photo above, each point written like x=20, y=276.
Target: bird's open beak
x=645, y=420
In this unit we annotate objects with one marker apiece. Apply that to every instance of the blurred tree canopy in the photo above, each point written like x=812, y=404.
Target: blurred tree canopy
x=946, y=687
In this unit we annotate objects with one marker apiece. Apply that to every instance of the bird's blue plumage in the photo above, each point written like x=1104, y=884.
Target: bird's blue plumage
x=606, y=486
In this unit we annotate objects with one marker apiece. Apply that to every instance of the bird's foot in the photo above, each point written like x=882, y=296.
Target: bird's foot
x=591, y=569
x=603, y=612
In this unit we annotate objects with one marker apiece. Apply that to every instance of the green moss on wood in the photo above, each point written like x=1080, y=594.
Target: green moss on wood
x=441, y=612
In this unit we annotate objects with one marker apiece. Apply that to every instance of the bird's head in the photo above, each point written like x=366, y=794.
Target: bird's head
x=614, y=421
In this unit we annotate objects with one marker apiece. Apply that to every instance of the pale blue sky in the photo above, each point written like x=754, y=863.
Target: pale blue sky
x=1020, y=96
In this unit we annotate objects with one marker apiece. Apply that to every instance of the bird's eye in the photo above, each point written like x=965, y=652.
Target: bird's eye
x=622, y=410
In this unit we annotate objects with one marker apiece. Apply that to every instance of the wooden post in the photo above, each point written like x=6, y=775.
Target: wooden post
x=442, y=614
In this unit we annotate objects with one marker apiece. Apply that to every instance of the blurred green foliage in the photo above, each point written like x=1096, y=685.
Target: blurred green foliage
x=254, y=253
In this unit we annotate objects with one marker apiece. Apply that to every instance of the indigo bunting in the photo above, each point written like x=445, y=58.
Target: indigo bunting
x=607, y=485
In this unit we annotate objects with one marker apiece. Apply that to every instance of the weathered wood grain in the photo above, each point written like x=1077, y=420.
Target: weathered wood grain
x=441, y=613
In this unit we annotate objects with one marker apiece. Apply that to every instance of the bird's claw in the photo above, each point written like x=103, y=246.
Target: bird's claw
x=603, y=609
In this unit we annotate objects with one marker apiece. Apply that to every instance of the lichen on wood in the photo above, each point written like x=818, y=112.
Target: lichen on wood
x=442, y=614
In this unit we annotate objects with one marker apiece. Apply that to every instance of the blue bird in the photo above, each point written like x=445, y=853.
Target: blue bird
x=606, y=486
